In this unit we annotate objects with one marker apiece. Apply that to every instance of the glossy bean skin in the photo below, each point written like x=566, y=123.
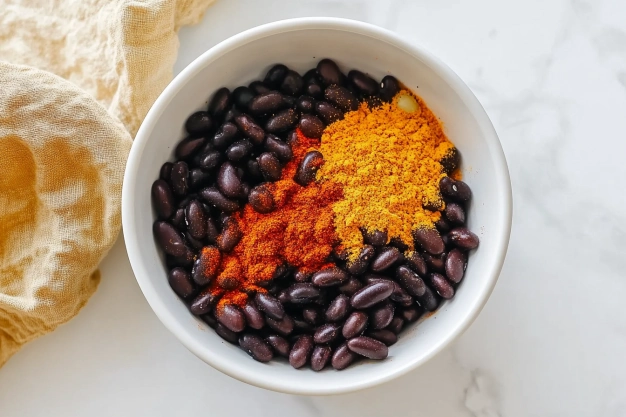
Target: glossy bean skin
x=188, y=147
x=196, y=219
x=364, y=83
x=225, y=135
x=311, y=126
x=231, y=317
x=238, y=150
x=198, y=178
x=166, y=171
x=300, y=276
x=215, y=198
x=248, y=127
x=463, y=238
x=219, y=103
x=279, y=344
x=269, y=305
x=429, y=239
x=416, y=262
x=305, y=104
x=359, y=266
x=301, y=351
x=267, y=103
x=275, y=75
x=329, y=72
x=383, y=335
x=226, y=334
x=385, y=259
x=292, y=84
x=259, y=88
x=281, y=121
x=329, y=277
x=355, y=324
x=455, y=265
x=389, y=87
x=382, y=316
x=180, y=281
x=396, y=325
x=211, y=231
x=455, y=189
x=228, y=181
x=179, y=178
x=253, y=316
x=279, y=148
x=451, y=161
x=400, y=296
x=193, y=242
x=204, y=302
x=302, y=293
x=261, y=199
x=341, y=97
x=289, y=101
x=342, y=357
x=256, y=347
x=371, y=294
x=320, y=357
x=210, y=160
x=441, y=285
x=327, y=112
x=178, y=220
x=169, y=239
x=162, y=199
x=313, y=316
x=314, y=90
x=435, y=262
x=326, y=333
x=338, y=308
x=230, y=115
x=368, y=347
x=455, y=214
x=310, y=164
x=375, y=237
x=230, y=236
x=411, y=314
x=442, y=225
x=242, y=96
x=269, y=166
x=428, y=301
x=199, y=123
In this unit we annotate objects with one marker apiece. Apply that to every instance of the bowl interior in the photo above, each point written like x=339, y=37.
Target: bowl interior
x=300, y=45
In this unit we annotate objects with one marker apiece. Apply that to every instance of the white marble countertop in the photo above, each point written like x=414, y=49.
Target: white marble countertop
x=551, y=340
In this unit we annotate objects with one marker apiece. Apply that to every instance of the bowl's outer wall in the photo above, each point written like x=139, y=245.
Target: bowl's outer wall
x=300, y=44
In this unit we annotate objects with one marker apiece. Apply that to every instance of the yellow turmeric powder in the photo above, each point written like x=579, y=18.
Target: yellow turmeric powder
x=387, y=161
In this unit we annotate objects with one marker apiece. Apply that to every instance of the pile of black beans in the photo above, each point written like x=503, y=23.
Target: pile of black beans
x=334, y=316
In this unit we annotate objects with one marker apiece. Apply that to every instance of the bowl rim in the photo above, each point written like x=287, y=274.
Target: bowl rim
x=501, y=235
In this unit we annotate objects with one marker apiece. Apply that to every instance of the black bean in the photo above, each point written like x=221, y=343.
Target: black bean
x=451, y=161
x=463, y=238
x=210, y=160
x=279, y=344
x=178, y=220
x=180, y=281
x=253, y=169
x=435, y=262
x=364, y=83
x=239, y=150
x=382, y=316
x=254, y=318
x=305, y=104
x=313, y=316
x=198, y=178
x=275, y=75
x=210, y=320
x=169, y=239
x=283, y=326
x=282, y=121
x=269, y=166
x=230, y=236
x=292, y=83
x=259, y=87
x=188, y=147
x=282, y=296
x=302, y=293
x=442, y=225
x=428, y=301
x=320, y=357
x=226, y=333
x=311, y=77
x=195, y=243
x=383, y=335
x=163, y=199
x=219, y=103
x=166, y=171
x=368, y=347
x=359, y=265
x=455, y=189
x=314, y=90
x=329, y=277
x=311, y=126
x=327, y=112
x=225, y=135
x=329, y=72
x=371, y=294
x=416, y=262
x=396, y=325
x=212, y=231
x=338, y=308
x=269, y=305
x=455, y=214
x=228, y=182
x=301, y=325
x=261, y=199
x=389, y=87
x=342, y=357
x=385, y=258
x=441, y=285
x=196, y=219
x=266, y=103
x=411, y=314
x=199, y=123
x=326, y=333
x=308, y=168
x=301, y=276
x=355, y=324
x=256, y=347
x=341, y=97
x=179, y=178
x=410, y=281
x=400, y=296
x=206, y=266
x=232, y=317
x=216, y=199
x=242, y=96
x=351, y=286
x=279, y=148
x=204, y=302
x=301, y=351
x=374, y=237
x=396, y=242
x=250, y=129
x=455, y=265
x=429, y=239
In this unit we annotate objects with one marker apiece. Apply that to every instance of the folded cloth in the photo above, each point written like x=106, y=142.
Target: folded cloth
x=62, y=153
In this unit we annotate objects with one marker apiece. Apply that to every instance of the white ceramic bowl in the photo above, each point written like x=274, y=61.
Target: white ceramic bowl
x=300, y=44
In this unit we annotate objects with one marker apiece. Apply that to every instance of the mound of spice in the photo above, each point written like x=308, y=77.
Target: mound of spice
x=388, y=162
